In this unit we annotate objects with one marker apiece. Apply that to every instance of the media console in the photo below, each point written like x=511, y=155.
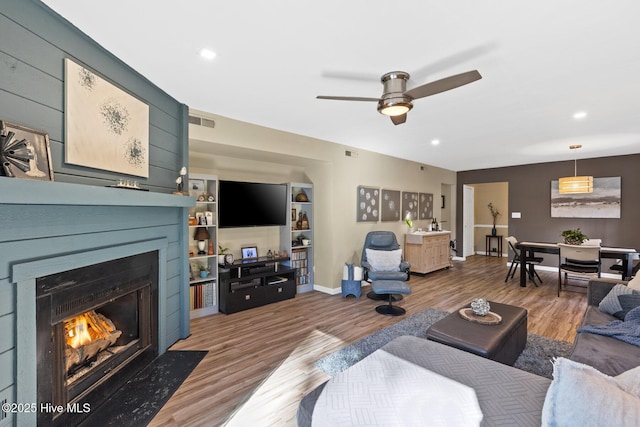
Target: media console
x=251, y=283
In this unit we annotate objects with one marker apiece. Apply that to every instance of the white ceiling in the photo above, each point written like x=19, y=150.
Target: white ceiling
x=541, y=62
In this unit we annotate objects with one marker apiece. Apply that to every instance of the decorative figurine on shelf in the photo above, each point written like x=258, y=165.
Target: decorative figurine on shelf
x=210, y=251
x=180, y=183
x=299, y=222
x=305, y=221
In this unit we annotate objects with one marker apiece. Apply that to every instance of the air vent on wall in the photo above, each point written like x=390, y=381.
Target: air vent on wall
x=200, y=121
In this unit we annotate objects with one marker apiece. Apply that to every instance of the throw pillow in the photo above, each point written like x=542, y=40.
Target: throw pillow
x=581, y=395
x=634, y=283
x=611, y=304
x=384, y=260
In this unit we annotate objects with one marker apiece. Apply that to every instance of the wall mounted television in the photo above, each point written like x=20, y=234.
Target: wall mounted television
x=251, y=204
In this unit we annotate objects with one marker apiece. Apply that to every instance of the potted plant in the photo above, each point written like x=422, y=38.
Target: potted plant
x=407, y=219
x=221, y=252
x=574, y=236
x=204, y=271
x=495, y=213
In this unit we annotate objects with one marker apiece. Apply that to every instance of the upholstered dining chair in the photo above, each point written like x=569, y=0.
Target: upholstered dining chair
x=516, y=261
x=581, y=260
x=384, y=247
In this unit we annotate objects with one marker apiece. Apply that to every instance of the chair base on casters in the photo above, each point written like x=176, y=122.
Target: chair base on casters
x=388, y=288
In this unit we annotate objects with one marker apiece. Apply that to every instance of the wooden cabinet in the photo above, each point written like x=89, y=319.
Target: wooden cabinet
x=427, y=251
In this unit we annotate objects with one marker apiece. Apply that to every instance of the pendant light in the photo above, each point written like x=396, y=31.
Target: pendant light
x=575, y=184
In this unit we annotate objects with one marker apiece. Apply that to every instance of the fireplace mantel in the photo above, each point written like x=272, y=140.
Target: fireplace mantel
x=56, y=226
x=31, y=192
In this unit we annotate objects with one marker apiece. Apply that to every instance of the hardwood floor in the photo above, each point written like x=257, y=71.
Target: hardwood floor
x=261, y=361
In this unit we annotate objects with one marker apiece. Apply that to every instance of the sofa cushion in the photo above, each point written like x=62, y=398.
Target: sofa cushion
x=384, y=260
x=608, y=355
x=634, y=283
x=620, y=294
x=581, y=395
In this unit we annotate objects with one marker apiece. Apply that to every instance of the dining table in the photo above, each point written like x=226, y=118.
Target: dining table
x=626, y=255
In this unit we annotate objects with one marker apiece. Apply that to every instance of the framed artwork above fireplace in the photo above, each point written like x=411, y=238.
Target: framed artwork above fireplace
x=105, y=127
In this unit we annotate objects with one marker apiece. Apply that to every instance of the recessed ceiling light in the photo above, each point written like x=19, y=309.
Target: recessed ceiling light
x=579, y=115
x=207, y=54
x=435, y=141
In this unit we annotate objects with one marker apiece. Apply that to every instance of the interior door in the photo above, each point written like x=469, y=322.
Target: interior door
x=468, y=221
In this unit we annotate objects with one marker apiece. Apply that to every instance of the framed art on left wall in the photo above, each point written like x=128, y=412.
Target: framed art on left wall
x=25, y=152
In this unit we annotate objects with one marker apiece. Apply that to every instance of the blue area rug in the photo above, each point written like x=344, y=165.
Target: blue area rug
x=535, y=358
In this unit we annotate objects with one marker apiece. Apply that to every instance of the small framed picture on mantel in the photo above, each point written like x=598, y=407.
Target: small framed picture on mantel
x=25, y=152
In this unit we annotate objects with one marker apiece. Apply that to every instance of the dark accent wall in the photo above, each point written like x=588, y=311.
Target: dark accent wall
x=34, y=41
x=530, y=194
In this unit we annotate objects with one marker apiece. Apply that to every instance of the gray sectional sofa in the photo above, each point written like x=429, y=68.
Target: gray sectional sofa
x=609, y=355
x=506, y=395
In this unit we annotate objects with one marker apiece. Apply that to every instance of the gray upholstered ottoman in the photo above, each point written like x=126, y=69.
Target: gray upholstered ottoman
x=502, y=342
x=389, y=288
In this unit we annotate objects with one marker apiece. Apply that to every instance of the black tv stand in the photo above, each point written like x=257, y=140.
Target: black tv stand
x=255, y=282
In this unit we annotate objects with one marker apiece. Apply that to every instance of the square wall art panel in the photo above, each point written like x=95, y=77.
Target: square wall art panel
x=368, y=209
x=604, y=202
x=390, y=205
x=426, y=205
x=105, y=127
x=409, y=205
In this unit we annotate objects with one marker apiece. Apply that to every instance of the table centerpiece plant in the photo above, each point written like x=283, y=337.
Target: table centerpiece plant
x=574, y=236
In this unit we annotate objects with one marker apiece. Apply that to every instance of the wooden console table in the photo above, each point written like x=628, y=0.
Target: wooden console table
x=427, y=251
x=487, y=245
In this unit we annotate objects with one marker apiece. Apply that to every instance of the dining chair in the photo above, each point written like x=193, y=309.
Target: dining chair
x=512, y=243
x=581, y=260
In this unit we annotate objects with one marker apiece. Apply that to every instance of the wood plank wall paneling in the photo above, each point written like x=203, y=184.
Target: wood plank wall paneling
x=35, y=43
x=260, y=362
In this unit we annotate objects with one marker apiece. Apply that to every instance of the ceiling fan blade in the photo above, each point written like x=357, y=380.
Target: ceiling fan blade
x=347, y=98
x=398, y=120
x=452, y=61
x=443, y=85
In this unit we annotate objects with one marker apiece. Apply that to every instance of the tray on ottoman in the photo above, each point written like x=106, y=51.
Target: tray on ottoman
x=501, y=342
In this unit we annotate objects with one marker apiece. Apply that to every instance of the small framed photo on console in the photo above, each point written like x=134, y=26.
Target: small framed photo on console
x=250, y=252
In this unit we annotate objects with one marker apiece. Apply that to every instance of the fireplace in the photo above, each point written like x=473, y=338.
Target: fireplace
x=96, y=327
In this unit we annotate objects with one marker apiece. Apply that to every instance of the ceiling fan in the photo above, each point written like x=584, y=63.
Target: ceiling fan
x=396, y=100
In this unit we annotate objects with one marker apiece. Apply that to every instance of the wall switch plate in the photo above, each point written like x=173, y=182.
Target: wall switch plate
x=516, y=215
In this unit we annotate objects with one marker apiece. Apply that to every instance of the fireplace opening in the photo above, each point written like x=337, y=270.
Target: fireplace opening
x=96, y=328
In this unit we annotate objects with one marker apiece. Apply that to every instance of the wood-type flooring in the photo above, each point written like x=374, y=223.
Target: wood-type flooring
x=261, y=361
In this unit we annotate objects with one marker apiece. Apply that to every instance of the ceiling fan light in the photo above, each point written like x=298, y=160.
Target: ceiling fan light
x=575, y=185
x=394, y=110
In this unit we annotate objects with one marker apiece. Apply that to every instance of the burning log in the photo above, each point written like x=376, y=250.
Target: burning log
x=87, y=335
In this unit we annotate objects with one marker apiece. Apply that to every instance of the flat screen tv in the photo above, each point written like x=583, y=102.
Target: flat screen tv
x=251, y=204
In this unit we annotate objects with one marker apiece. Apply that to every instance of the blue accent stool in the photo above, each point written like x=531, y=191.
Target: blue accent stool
x=389, y=288
x=350, y=286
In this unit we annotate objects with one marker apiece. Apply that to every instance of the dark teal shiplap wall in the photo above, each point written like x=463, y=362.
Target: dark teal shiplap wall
x=33, y=44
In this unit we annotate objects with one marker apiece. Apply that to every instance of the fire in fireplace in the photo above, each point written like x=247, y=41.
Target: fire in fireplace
x=96, y=328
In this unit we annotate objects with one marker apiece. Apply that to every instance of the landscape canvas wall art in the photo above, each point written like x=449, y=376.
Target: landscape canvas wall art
x=604, y=202
x=105, y=127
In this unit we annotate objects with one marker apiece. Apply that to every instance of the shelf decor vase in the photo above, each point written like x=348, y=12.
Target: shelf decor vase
x=494, y=231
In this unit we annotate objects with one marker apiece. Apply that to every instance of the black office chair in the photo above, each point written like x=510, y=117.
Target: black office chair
x=382, y=241
x=517, y=261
